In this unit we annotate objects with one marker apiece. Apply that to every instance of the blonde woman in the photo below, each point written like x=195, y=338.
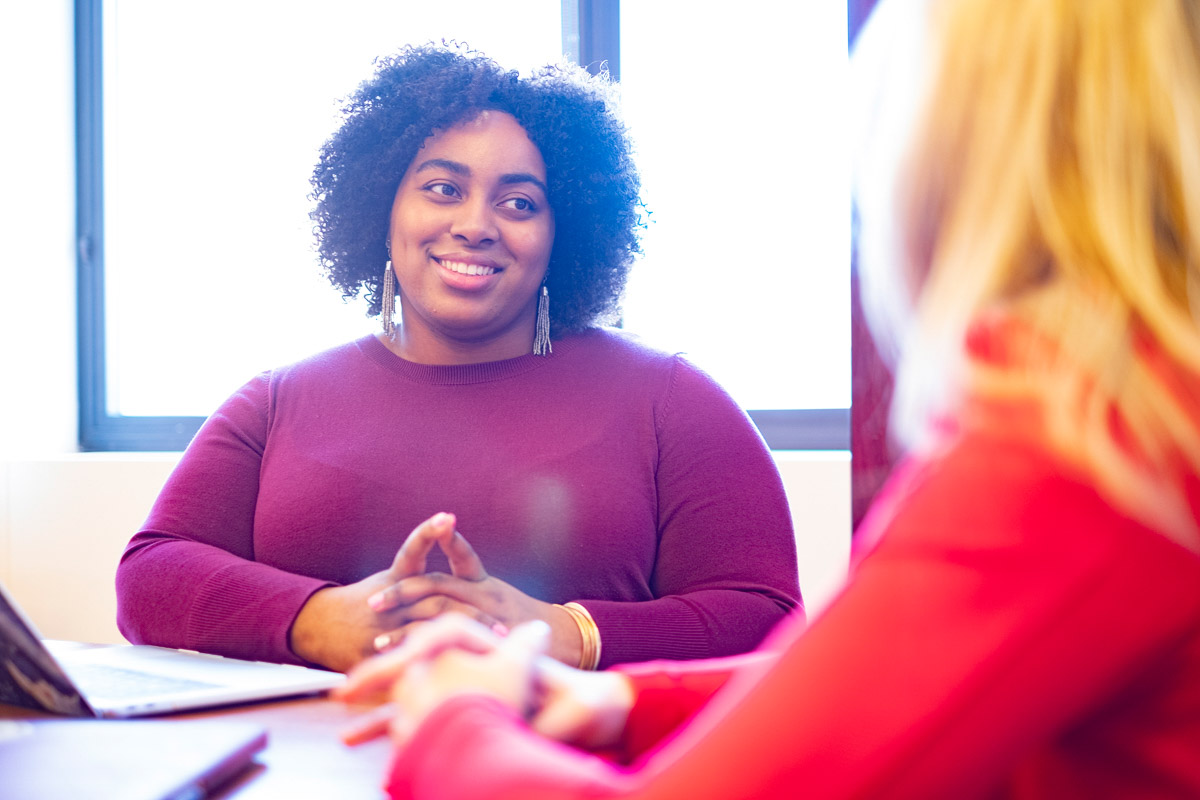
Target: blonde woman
x=1024, y=617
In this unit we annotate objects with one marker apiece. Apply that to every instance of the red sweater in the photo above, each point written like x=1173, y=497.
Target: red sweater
x=1011, y=635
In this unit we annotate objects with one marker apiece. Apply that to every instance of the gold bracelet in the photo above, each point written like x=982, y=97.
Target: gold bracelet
x=589, y=657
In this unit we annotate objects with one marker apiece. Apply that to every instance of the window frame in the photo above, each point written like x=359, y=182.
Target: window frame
x=591, y=36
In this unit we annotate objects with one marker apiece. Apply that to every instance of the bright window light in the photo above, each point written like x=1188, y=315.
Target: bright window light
x=214, y=117
x=215, y=114
x=737, y=114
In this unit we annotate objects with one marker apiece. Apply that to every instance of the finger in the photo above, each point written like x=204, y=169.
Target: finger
x=429, y=609
x=370, y=725
x=489, y=594
x=525, y=644
x=410, y=558
x=407, y=591
x=522, y=648
x=425, y=597
x=377, y=674
x=527, y=641
x=464, y=562
x=401, y=729
x=418, y=588
x=563, y=708
x=553, y=674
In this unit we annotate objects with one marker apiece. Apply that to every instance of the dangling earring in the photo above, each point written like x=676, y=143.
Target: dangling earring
x=541, y=336
x=388, y=309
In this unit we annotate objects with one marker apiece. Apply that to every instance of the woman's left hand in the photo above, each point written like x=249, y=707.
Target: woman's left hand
x=470, y=584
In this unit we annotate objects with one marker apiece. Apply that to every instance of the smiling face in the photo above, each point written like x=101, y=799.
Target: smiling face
x=470, y=238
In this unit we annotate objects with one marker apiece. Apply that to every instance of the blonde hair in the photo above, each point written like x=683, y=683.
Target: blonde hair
x=1041, y=158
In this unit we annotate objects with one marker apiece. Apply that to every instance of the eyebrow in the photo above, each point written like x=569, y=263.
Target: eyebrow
x=465, y=171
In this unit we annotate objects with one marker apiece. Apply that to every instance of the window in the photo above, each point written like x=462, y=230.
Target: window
x=736, y=116
x=198, y=131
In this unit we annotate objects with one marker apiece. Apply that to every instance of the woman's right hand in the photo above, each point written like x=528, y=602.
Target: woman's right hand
x=584, y=709
x=337, y=628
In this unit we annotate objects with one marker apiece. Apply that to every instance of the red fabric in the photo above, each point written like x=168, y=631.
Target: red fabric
x=1010, y=635
x=669, y=693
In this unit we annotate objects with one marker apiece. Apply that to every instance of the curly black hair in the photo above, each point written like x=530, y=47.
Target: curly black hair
x=569, y=115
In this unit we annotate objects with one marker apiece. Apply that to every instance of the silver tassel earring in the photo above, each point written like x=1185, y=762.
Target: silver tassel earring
x=388, y=309
x=541, y=336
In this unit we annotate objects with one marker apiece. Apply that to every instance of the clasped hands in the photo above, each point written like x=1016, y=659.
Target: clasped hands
x=455, y=655
x=340, y=626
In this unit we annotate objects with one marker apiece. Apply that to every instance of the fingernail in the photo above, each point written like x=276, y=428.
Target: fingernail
x=500, y=629
x=375, y=601
x=381, y=642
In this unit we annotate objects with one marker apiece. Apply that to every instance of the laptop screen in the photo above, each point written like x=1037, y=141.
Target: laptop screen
x=29, y=676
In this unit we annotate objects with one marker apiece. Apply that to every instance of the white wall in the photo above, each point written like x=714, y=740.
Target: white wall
x=68, y=519
x=65, y=516
x=818, y=490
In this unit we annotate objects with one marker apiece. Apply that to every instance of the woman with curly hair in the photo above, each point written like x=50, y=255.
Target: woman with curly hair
x=612, y=491
x=1023, y=620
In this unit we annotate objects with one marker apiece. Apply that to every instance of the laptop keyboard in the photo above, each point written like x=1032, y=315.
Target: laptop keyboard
x=101, y=680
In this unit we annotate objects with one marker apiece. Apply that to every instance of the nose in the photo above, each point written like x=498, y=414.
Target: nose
x=475, y=223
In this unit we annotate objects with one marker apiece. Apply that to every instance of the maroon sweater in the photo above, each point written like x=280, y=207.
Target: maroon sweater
x=608, y=473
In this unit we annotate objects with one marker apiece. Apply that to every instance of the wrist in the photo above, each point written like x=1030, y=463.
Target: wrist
x=566, y=641
x=588, y=654
x=308, y=637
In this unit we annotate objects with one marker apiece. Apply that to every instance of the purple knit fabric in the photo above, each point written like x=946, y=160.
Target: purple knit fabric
x=608, y=473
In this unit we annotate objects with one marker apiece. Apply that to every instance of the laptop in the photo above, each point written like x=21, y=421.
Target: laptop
x=138, y=760
x=117, y=681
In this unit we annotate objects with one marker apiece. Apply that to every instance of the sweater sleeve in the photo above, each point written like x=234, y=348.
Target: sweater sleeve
x=668, y=693
x=970, y=642
x=508, y=761
x=188, y=578
x=725, y=571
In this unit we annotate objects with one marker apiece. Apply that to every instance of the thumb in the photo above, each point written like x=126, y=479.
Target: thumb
x=526, y=642
x=522, y=649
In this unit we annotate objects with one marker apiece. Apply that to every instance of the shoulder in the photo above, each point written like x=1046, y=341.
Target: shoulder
x=985, y=480
x=977, y=492
x=325, y=371
x=688, y=406
x=342, y=357
x=615, y=345
x=319, y=372
x=629, y=355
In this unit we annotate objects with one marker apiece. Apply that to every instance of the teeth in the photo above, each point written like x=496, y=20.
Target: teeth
x=467, y=269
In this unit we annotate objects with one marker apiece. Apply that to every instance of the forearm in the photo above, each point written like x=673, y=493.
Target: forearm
x=509, y=762
x=176, y=593
x=191, y=577
x=702, y=624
